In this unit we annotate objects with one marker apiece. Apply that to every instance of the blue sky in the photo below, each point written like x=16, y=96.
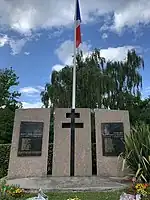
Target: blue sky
x=37, y=36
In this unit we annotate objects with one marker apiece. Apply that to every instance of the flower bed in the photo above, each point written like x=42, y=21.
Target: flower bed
x=10, y=190
x=137, y=191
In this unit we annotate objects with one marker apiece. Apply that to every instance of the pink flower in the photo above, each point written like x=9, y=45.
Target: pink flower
x=133, y=179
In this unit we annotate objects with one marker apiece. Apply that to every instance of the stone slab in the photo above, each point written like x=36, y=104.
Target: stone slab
x=62, y=136
x=65, y=184
x=33, y=166
x=109, y=165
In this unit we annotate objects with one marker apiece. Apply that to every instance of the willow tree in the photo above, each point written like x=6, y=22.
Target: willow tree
x=125, y=79
x=99, y=83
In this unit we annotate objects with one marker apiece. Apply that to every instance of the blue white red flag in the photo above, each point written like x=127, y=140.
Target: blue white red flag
x=78, y=21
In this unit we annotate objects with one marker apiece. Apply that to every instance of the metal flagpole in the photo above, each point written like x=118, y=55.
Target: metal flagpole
x=74, y=63
x=72, y=142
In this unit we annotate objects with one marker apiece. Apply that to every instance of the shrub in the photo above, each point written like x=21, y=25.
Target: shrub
x=50, y=159
x=4, y=159
x=137, y=153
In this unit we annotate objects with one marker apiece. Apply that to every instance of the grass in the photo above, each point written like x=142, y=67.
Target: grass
x=83, y=195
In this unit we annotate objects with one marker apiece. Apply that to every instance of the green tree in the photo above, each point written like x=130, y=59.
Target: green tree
x=8, y=97
x=142, y=110
x=126, y=81
x=99, y=83
x=9, y=102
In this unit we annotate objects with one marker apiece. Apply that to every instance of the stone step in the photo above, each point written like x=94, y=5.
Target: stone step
x=68, y=183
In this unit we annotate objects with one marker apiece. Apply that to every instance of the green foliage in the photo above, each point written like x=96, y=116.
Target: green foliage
x=139, y=110
x=99, y=83
x=4, y=159
x=7, y=198
x=10, y=191
x=110, y=195
x=6, y=125
x=50, y=159
x=145, y=111
x=8, y=103
x=8, y=79
x=51, y=134
x=137, y=154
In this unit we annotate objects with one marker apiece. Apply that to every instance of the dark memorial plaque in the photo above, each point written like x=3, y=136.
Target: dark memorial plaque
x=112, y=138
x=30, y=139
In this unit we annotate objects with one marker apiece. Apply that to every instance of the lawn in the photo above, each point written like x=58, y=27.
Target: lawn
x=84, y=195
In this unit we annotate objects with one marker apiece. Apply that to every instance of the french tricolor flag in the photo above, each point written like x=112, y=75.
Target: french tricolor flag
x=77, y=22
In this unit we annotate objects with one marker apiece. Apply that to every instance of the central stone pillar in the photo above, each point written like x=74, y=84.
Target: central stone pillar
x=62, y=143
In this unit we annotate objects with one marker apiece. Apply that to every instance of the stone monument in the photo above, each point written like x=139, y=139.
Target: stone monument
x=30, y=140
x=111, y=128
x=72, y=156
x=62, y=158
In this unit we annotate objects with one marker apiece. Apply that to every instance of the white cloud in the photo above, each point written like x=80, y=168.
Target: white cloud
x=3, y=40
x=34, y=94
x=56, y=33
x=28, y=15
x=104, y=36
x=134, y=13
x=40, y=87
x=32, y=105
x=31, y=91
x=65, y=51
x=116, y=54
x=58, y=67
x=27, y=53
x=16, y=45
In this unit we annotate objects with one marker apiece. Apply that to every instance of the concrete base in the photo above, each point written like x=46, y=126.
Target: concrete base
x=68, y=184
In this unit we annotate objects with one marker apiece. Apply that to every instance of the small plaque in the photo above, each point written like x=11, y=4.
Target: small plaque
x=112, y=138
x=30, y=140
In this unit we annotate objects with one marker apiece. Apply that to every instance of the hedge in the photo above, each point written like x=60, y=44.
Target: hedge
x=4, y=159
x=50, y=159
